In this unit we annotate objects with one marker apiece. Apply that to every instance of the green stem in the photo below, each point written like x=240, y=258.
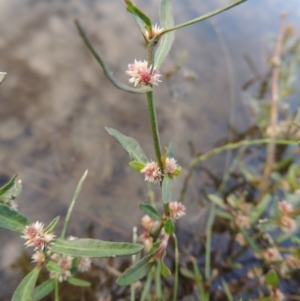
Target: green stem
x=234, y=145
x=56, y=290
x=176, y=275
x=203, y=17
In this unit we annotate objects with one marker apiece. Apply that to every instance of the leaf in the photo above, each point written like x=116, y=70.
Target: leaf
x=217, y=200
x=250, y=241
x=24, y=291
x=171, y=151
x=166, y=21
x=167, y=189
x=187, y=273
x=227, y=290
x=75, y=196
x=2, y=76
x=224, y=214
x=43, y=290
x=12, y=220
x=138, y=271
x=87, y=247
x=138, y=166
x=78, y=282
x=52, y=226
x=10, y=190
x=137, y=12
x=259, y=209
x=53, y=267
x=151, y=211
x=169, y=227
x=164, y=270
x=130, y=145
x=271, y=279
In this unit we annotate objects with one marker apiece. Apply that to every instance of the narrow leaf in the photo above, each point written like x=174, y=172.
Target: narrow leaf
x=78, y=282
x=138, y=166
x=52, y=226
x=86, y=247
x=10, y=190
x=217, y=200
x=75, y=196
x=260, y=209
x=43, y=290
x=227, y=290
x=169, y=227
x=250, y=241
x=137, y=12
x=151, y=211
x=130, y=145
x=12, y=220
x=166, y=21
x=2, y=76
x=105, y=67
x=24, y=291
x=167, y=189
x=138, y=271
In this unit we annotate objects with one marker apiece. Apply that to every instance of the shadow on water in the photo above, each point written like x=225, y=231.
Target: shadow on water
x=56, y=102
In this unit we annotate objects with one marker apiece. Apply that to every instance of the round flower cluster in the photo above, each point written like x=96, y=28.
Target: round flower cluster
x=285, y=221
x=36, y=236
x=141, y=74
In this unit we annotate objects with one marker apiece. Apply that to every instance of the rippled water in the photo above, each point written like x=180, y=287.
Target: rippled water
x=56, y=102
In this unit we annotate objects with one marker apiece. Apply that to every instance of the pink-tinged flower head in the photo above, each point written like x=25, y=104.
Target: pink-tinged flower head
x=65, y=262
x=152, y=172
x=285, y=207
x=39, y=257
x=176, y=210
x=170, y=165
x=271, y=255
x=148, y=223
x=242, y=220
x=287, y=224
x=155, y=30
x=84, y=264
x=33, y=230
x=36, y=237
x=159, y=253
x=141, y=74
x=63, y=276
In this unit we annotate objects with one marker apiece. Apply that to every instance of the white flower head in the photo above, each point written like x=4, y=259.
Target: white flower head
x=176, y=209
x=152, y=172
x=84, y=264
x=141, y=74
x=170, y=165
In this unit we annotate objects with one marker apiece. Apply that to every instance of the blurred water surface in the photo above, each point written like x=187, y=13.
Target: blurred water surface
x=56, y=102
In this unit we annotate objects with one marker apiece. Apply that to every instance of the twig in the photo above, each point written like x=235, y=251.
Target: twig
x=274, y=105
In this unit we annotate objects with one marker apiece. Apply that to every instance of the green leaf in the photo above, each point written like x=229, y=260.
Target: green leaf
x=151, y=211
x=227, y=290
x=130, y=145
x=271, y=279
x=75, y=196
x=86, y=247
x=224, y=214
x=2, y=76
x=53, y=267
x=24, y=291
x=164, y=270
x=52, y=226
x=167, y=189
x=10, y=190
x=166, y=21
x=138, y=166
x=12, y=220
x=138, y=271
x=217, y=200
x=171, y=151
x=137, y=12
x=250, y=241
x=78, y=282
x=169, y=227
x=187, y=273
x=259, y=209
x=43, y=290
